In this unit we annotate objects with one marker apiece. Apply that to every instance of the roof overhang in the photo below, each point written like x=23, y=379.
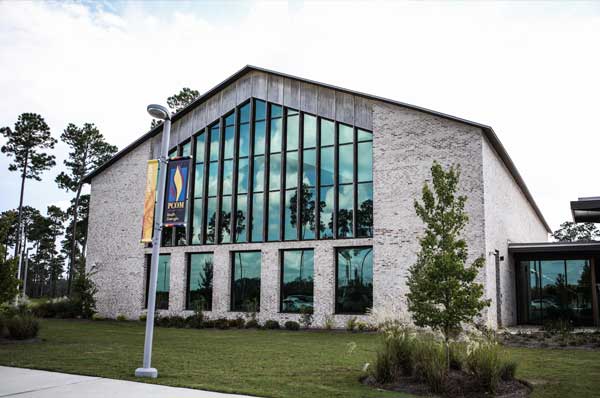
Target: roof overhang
x=586, y=210
x=555, y=247
x=487, y=130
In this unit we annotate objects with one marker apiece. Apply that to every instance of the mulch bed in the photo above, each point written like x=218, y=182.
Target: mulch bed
x=540, y=339
x=458, y=385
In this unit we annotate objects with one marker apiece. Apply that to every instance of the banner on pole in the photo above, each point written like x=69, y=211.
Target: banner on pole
x=149, y=201
x=177, y=181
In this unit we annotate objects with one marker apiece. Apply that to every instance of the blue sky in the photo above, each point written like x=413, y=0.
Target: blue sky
x=530, y=70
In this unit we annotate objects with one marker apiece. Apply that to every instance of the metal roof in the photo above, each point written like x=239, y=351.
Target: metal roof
x=547, y=247
x=488, y=131
x=586, y=210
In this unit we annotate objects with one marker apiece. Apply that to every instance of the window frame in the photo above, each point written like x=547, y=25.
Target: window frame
x=281, y=276
x=188, y=267
x=336, y=284
x=148, y=264
x=232, y=278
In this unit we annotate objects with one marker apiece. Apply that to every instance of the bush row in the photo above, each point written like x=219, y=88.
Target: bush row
x=199, y=322
x=19, y=322
x=61, y=308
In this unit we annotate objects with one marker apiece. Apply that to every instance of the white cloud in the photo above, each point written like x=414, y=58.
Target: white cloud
x=529, y=70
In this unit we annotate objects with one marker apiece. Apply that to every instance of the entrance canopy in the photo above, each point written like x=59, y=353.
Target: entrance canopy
x=586, y=209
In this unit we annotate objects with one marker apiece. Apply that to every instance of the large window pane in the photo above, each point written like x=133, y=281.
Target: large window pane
x=198, y=180
x=365, y=161
x=227, y=177
x=363, y=135
x=213, y=178
x=228, y=151
x=275, y=171
x=258, y=182
x=225, y=235
x=200, y=148
x=354, y=292
x=242, y=183
x=245, y=113
x=276, y=111
x=308, y=213
x=214, y=143
x=326, y=217
x=345, y=211
x=244, y=140
x=275, y=136
x=241, y=219
x=259, y=110
x=211, y=217
x=346, y=134
x=327, y=166
x=274, y=215
x=291, y=169
x=230, y=120
x=197, y=222
x=162, y=281
x=579, y=292
x=200, y=282
x=292, y=132
x=257, y=217
x=310, y=131
x=534, y=298
x=553, y=280
x=346, y=164
x=291, y=215
x=297, y=277
x=364, y=214
x=309, y=168
x=259, y=138
x=327, y=132
x=245, y=291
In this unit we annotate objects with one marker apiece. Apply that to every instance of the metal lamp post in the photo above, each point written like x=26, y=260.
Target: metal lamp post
x=159, y=112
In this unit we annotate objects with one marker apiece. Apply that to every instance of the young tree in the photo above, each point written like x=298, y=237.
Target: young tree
x=8, y=230
x=442, y=292
x=178, y=101
x=88, y=150
x=28, y=145
x=9, y=284
x=577, y=232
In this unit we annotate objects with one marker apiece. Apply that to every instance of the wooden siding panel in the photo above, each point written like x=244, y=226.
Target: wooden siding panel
x=363, y=113
x=344, y=107
x=244, y=88
x=228, y=99
x=275, y=89
x=308, y=98
x=326, y=103
x=212, y=109
x=259, y=85
x=291, y=93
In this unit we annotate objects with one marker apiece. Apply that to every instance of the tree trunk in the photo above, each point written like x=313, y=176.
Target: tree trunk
x=73, y=240
x=18, y=240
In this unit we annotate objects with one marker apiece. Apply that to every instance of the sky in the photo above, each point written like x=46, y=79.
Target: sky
x=529, y=70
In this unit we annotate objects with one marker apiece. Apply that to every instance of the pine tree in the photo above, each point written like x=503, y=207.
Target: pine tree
x=88, y=150
x=178, y=101
x=28, y=144
x=442, y=290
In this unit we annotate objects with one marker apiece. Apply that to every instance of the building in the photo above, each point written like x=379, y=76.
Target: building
x=259, y=140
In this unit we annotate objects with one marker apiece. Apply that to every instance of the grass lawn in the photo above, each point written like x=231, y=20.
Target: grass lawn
x=262, y=363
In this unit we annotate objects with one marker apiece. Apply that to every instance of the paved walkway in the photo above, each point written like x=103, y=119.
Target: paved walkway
x=28, y=383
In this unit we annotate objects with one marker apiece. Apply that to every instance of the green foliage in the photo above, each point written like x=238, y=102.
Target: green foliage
x=9, y=284
x=306, y=317
x=143, y=318
x=222, y=323
x=237, y=323
x=182, y=99
x=252, y=324
x=394, y=357
x=430, y=364
x=328, y=322
x=577, y=232
x=292, y=325
x=97, y=317
x=442, y=292
x=84, y=290
x=351, y=324
x=57, y=308
x=121, y=318
x=487, y=363
x=22, y=327
x=458, y=355
x=271, y=324
x=28, y=144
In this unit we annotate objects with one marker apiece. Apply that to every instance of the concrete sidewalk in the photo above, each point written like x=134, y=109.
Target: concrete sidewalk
x=28, y=383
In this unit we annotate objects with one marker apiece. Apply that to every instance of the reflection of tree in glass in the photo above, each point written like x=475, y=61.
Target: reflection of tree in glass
x=202, y=294
x=344, y=222
x=240, y=225
x=364, y=218
x=307, y=210
x=355, y=295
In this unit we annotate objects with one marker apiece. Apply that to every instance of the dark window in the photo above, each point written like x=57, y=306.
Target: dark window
x=297, y=277
x=200, y=281
x=354, y=280
x=245, y=287
x=162, y=281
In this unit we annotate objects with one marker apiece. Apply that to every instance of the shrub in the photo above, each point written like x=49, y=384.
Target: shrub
x=194, y=322
x=508, y=370
x=22, y=327
x=306, y=317
x=252, y=324
x=121, y=318
x=430, y=366
x=271, y=324
x=328, y=322
x=395, y=358
x=292, y=325
x=351, y=324
x=177, y=321
x=361, y=326
x=84, y=290
x=237, y=323
x=143, y=318
x=486, y=363
x=222, y=323
x=458, y=355
x=208, y=324
x=97, y=317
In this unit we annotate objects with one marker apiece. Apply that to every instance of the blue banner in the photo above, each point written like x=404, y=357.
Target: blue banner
x=178, y=171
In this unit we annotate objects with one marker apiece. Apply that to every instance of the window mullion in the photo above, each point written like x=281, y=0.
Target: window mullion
x=234, y=180
x=354, y=181
x=251, y=171
x=267, y=172
x=282, y=174
x=299, y=193
x=335, y=181
x=318, y=181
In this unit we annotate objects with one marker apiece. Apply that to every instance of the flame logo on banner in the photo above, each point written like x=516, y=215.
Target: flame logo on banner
x=178, y=182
